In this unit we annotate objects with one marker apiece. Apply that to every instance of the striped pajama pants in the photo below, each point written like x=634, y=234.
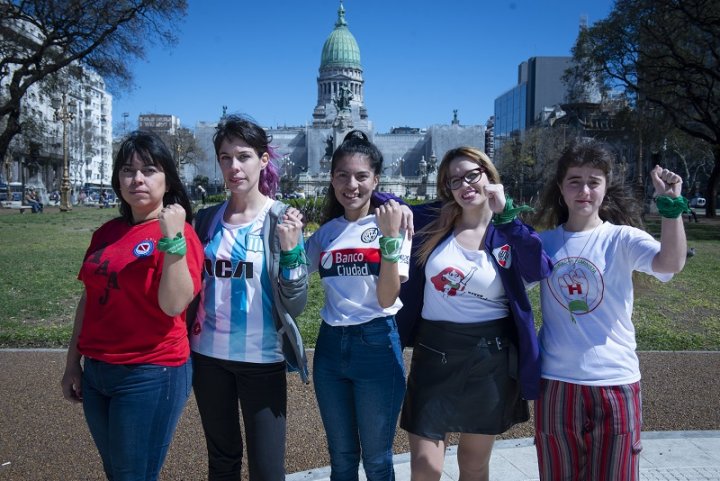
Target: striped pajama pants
x=588, y=433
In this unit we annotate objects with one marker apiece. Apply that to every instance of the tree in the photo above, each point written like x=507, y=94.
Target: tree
x=184, y=147
x=524, y=163
x=666, y=55
x=39, y=38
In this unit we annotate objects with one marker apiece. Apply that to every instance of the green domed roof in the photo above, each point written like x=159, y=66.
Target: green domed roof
x=340, y=49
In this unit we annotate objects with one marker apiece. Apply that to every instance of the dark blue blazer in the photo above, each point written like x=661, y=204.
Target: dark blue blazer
x=527, y=262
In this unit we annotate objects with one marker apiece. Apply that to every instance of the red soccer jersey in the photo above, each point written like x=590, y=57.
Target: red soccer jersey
x=123, y=322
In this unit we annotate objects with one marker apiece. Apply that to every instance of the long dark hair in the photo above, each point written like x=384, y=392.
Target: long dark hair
x=242, y=128
x=355, y=142
x=153, y=151
x=619, y=206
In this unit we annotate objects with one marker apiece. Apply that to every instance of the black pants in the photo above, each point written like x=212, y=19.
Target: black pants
x=262, y=392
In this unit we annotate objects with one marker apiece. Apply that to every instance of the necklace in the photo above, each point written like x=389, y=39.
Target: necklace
x=565, y=244
x=577, y=297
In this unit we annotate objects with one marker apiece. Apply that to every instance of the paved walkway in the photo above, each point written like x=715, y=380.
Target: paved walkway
x=43, y=437
x=666, y=455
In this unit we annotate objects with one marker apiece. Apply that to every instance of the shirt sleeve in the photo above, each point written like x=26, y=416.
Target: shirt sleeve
x=641, y=249
x=313, y=252
x=404, y=262
x=195, y=257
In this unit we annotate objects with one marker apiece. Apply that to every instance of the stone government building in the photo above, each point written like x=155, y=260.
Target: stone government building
x=410, y=154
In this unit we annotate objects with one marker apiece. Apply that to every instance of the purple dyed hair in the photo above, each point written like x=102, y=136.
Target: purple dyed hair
x=270, y=175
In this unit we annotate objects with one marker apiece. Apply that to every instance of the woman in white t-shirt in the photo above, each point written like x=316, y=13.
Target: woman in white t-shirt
x=362, y=257
x=475, y=361
x=588, y=416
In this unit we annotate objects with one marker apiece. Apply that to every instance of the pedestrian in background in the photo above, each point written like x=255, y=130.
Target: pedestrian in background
x=31, y=198
x=202, y=192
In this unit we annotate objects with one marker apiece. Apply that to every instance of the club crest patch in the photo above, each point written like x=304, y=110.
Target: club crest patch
x=369, y=235
x=144, y=248
x=503, y=256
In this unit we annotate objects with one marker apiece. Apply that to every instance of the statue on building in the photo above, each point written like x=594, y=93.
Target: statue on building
x=422, y=167
x=455, y=120
x=329, y=147
x=342, y=101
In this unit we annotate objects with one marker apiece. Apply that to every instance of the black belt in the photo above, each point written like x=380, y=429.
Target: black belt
x=494, y=345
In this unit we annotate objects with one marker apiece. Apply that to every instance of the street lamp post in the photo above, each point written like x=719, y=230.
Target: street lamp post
x=65, y=115
x=288, y=166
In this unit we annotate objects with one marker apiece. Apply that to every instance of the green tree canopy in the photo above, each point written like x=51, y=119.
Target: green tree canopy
x=41, y=37
x=666, y=55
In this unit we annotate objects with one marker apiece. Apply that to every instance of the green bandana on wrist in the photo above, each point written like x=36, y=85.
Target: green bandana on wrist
x=672, y=208
x=176, y=245
x=293, y=258
x=510, y=212
x=390, y=248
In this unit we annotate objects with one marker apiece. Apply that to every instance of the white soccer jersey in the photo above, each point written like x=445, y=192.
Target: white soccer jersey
x=235, y=312
x=347, y=256
x=587, y=336
x=462, y=285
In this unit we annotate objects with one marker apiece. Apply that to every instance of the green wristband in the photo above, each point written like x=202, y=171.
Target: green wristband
x=672, y=208
x=293, y=258
x=176, y=245
x=390, y=248
x=510, y=212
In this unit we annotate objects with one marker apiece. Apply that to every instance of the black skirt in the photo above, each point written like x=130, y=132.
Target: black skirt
x=463, y=379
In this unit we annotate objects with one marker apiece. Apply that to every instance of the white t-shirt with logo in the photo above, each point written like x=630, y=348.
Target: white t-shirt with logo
x=347, y=256
x=462, y=285
x=587, y=336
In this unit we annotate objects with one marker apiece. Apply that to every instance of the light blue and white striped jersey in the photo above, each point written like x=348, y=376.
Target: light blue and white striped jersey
x=235, y=311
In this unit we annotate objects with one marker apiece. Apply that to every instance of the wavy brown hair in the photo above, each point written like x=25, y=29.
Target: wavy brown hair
x=449, y=212
x=619, y=206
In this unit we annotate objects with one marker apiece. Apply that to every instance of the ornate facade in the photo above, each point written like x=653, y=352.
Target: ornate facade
x=410, y=154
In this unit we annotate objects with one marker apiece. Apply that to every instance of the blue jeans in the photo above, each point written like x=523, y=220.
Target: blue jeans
x=132, y=411
x=359, y=380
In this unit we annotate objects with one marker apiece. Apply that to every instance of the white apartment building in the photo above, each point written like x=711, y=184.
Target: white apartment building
x=36, y=154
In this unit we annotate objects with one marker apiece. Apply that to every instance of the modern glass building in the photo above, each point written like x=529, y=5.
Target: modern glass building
x=540, y=86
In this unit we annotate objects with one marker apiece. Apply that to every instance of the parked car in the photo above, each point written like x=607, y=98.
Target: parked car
x=698, y=202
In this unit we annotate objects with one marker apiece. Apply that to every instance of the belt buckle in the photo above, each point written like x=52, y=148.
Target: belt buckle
x=499, y=343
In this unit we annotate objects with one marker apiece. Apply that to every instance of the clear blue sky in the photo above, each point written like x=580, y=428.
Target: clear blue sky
x=421, y=59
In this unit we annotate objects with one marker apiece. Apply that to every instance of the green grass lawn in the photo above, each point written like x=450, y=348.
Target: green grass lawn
x=40, y=256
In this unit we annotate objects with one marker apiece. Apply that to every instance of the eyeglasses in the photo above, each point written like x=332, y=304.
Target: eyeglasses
x=471, y=177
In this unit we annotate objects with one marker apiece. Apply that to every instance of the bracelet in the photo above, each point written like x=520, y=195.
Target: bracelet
x=390, y=248
x=510, y=212
x=175, y=246
x=293, y=258
x=672, y=208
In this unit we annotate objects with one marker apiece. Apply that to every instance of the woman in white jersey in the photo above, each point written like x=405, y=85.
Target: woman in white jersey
x=362, y=257
x=254, y=283
x=475, y=359
x=588, y=416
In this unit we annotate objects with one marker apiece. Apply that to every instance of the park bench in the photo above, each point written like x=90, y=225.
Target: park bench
x=6, y=204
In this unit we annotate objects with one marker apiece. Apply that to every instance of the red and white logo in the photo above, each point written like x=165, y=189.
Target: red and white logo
x=503, y=256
